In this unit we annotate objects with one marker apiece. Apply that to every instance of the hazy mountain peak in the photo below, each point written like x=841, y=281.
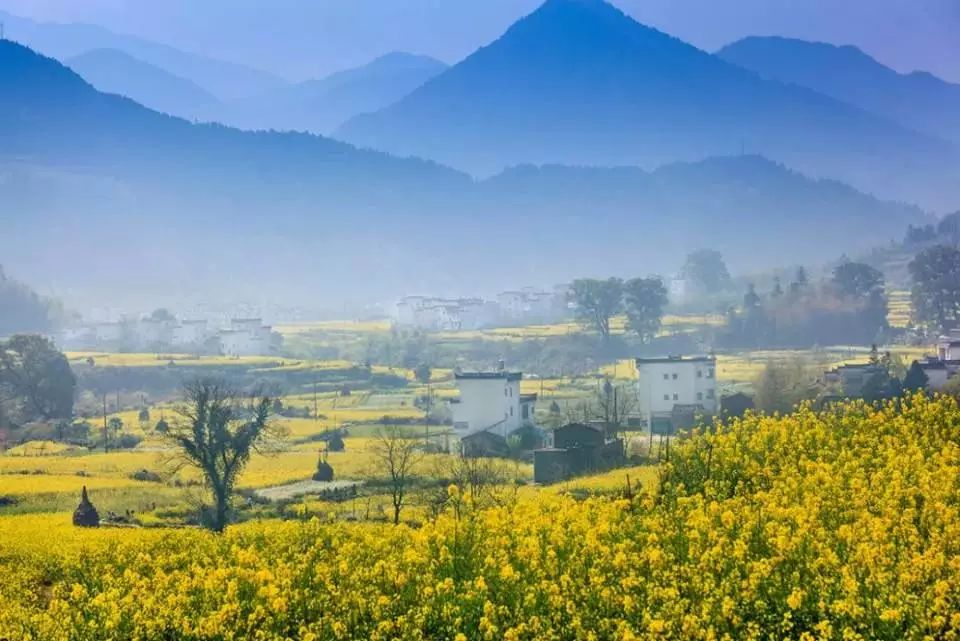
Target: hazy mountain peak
x=917, y=100
x=116, y=71
x=321, y=105
x=404, y=58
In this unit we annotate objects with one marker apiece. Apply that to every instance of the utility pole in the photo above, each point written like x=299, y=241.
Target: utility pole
x=105, y=432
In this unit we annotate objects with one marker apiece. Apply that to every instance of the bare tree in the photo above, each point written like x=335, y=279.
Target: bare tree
x=614, y=404
x=478, y=477
x=611, y=405
x=217, y=432
x=397, y=454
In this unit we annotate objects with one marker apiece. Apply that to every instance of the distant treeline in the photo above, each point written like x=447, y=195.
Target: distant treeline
x=848, y=308
x=23, y=310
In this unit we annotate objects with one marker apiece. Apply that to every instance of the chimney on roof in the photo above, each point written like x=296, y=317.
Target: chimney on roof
x=501, y=365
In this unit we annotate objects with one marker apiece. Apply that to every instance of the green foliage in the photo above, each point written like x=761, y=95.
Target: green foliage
x=936, y=286
x=597, y=301
x=217, y=435
x=857, y=280
x=36, y=382
x=643, y=301
x=916, y=379
x=707, y=271
x=784, y=385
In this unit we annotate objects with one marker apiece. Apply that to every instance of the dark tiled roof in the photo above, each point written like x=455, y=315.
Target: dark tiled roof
x=510, y=376
x=677, y=359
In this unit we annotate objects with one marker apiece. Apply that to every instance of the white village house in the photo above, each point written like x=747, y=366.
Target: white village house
x=491, y=401
x=248, y=337
x=445, y=314
x=243, y=337
x=946, y=364
x=676, y=384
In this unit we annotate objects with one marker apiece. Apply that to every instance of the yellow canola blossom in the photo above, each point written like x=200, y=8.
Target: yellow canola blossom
x=843, y=524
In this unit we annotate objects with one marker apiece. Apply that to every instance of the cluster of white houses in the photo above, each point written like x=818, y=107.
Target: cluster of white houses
x=670, y=390
x=241, y=337
x=528, y=305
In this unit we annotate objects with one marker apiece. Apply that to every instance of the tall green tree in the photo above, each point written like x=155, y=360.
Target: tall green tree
x=643, y=301
x=936, y=286
x=707, y=271
x=36, y=382
x=217, y=432
x=916, y=379
x=857, y=280
x=597, y=301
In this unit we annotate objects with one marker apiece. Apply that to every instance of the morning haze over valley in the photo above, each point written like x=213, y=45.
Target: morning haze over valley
x=463, y=319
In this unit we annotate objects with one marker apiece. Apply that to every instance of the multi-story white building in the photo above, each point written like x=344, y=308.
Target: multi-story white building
x=152, y=334
x=108, y=333
x=491, y=401
x=444, y=314
x=191, y=333
x=532, y=305
x=248, y=337
x=666, y=385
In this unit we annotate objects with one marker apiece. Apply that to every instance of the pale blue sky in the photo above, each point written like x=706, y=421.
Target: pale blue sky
x=305, y=38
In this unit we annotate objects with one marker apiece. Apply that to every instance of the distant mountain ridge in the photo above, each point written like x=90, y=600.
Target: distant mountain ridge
x=917, y=100
x=114, y=71
x=226, y=80
x=164, y=209
x=578, y=82
x=319, y=106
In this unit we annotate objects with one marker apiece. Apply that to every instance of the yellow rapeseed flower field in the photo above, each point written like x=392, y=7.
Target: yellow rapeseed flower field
x=842, y=524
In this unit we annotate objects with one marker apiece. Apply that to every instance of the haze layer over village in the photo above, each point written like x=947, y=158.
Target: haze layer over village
x=511, y=319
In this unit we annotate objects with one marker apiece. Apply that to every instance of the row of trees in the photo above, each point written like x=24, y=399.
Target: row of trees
x=946, y=231
x=23, y=309
x=641, y=299
x=848, y=307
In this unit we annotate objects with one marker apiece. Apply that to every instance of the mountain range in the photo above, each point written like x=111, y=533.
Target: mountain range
x=578, y=82
x=101, y=195
x=918, y=100
x=321, y=105
x=117, y=72
x=226, y=80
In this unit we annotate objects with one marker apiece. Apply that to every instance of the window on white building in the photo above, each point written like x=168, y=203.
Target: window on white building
x=511, y=411
x=666, y=377
x=676, y=397
x=699, y=373
x=710, y=373
x=710, y=393
x=666, y=397
x=699, y=396
x=675, y=376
